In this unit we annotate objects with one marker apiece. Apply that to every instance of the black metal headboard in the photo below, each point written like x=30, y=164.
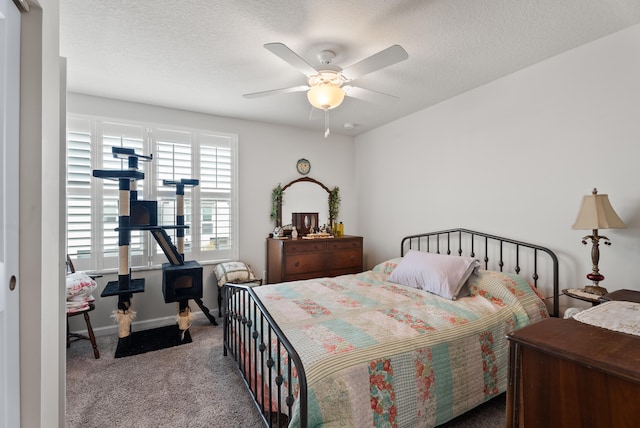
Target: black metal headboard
x=493, y=251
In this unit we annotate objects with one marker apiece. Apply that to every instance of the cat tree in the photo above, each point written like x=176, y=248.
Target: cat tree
x=181, y=280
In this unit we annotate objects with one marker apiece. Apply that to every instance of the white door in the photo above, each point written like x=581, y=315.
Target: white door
x=9, y=126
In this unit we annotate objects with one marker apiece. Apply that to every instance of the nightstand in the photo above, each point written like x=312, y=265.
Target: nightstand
x=564, y=373
x=580, y=294
x=624, y=295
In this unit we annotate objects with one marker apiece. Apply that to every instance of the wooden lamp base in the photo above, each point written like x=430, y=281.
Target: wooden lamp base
x=595, y=289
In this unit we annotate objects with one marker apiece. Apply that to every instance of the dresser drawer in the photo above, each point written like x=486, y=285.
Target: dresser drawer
x=302, y=263
x=304, y=247
x=344, y=244
x=345, y=259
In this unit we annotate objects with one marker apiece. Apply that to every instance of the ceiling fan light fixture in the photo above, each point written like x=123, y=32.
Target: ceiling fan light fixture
x=325, y=96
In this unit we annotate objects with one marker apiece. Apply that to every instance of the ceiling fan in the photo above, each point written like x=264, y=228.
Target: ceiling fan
x=328, y=84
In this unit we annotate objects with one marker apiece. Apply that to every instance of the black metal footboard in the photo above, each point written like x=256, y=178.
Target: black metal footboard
x=270, y=367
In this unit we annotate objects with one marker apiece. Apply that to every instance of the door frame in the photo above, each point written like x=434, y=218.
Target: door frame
x=9, y=184
x=42, y=316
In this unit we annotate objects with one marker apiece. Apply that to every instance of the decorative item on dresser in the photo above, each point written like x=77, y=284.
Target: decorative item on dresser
x=596, y=213
x=565, y=373
x=375, y=348
x=304, y=223
x=295, y=259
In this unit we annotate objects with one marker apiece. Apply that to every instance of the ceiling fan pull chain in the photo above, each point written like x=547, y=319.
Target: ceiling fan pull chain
x=326, y=123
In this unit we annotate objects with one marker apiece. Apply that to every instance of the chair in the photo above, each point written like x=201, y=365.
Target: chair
x=72, y=337
x=235, y=272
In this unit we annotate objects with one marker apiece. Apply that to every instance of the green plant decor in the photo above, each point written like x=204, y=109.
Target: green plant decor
x=334, y=203
x=276, y=200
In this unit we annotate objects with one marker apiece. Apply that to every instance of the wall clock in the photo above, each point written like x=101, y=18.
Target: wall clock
x=303, y=166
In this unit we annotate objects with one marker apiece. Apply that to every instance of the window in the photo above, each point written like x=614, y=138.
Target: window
x=210, y=208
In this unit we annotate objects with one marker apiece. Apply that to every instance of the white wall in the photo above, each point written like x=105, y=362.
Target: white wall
x=267, y=156
x=514, y=158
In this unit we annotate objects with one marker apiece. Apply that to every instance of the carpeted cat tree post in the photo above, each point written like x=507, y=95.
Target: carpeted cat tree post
x=183, y=283
x=184, y=317
x=124, y=287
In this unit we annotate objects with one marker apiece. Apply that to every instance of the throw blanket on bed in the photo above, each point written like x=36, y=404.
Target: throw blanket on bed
x=382, y=354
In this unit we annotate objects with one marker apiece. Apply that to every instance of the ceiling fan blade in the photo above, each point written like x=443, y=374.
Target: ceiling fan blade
x=384, y=58
x=291, y=57
x=368, y=95
x=277, y=91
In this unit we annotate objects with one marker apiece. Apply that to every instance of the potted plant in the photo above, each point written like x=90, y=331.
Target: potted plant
x=334, y=204
x=276, y=202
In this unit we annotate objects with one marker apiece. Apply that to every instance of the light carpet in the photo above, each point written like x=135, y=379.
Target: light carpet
x=191, y=385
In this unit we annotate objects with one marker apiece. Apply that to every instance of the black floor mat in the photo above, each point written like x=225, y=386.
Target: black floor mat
x=154, y=339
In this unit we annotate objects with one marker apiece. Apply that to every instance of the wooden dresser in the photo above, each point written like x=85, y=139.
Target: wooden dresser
x=294, y=259
x=564, y=373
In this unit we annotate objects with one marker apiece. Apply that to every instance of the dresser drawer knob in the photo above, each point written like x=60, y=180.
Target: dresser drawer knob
x=353, y=258
x=297, y=263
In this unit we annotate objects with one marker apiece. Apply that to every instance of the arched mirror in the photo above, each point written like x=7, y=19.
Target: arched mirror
x=305, y=195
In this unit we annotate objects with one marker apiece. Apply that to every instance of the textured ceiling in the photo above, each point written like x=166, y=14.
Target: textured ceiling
x=203, y=55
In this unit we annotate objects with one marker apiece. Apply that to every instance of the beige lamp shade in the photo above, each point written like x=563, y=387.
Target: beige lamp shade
x=596, y=212
x=325, y=96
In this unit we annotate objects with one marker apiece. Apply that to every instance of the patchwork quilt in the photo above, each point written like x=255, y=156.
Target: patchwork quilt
x=386, y=355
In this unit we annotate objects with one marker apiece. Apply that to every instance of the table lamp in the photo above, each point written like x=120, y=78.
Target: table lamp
x=596, y=213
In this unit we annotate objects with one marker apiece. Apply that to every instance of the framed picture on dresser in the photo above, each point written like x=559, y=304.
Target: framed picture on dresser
x=304, y=222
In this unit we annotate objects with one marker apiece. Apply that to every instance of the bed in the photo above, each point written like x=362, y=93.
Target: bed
x=375, y=348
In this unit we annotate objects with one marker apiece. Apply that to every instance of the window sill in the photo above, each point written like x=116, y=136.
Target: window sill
x=114, y=271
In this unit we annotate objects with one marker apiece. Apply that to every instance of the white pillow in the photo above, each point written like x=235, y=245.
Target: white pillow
x=439, y=274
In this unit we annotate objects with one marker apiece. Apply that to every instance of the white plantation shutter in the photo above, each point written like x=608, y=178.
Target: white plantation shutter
x=216, y=177
x=79, y=200
x=79, y=190
x=173, y=160
x=92, y=204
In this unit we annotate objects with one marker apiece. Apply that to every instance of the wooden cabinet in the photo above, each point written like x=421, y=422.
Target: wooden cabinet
x=295, y=259
x=564, y=373
x=624, y=295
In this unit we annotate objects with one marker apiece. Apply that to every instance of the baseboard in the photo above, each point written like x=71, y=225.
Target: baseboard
x=142, y=325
